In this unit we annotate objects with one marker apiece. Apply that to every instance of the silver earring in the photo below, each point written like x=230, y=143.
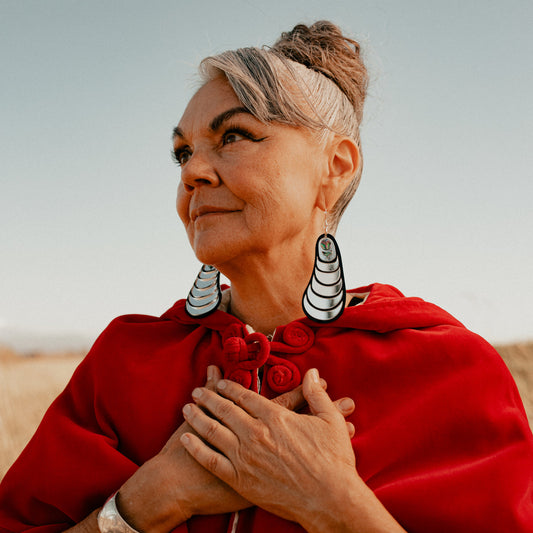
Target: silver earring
x=205, y=294
x=325, y=295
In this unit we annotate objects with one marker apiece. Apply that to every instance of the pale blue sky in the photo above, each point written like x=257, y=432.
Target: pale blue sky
x=91, y=90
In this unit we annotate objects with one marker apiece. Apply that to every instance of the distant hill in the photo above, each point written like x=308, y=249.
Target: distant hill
x=32, y=343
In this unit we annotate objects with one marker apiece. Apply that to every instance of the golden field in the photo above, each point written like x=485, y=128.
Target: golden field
x=29, y=384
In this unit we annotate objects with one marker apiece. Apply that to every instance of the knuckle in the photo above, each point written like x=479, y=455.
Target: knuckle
x=284, y=400
x=315, y=395
x=339, y=406
x=279, y=416
x=242, y=396
x=211, y=431
x=212, y=463
x=258, y=433
x=222, y=410
x=338, y=417
x=336, y=411
x=291, y=400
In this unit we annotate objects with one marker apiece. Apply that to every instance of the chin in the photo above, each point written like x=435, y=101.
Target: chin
x=214, y=243
x=214, y=253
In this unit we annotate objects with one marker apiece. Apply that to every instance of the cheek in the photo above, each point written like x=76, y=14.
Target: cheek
x=182, y=204
x=262, y=208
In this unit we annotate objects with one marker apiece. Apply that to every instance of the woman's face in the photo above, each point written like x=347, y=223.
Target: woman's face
x=246, y=187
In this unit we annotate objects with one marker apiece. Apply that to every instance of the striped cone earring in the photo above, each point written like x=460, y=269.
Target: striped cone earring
x=325, y=296
x=205, y=294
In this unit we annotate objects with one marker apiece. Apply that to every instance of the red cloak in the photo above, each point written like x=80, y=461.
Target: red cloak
x=441, y=434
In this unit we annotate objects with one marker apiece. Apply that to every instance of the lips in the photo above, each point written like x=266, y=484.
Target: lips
x=209, y=210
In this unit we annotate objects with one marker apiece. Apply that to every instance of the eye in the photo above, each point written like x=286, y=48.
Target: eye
x=233, y=136
x=181, y=156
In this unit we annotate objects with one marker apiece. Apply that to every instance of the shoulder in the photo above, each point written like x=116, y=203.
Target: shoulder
x=424, y=344
x=134, y=333
x=385, y=309
x=129, y=347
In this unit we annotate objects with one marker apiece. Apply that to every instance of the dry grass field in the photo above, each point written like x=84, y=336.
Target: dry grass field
x=27, y=387
x=29, y=384
x=519, y=360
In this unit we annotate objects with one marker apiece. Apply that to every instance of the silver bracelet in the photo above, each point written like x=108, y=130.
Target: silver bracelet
x=110, y=521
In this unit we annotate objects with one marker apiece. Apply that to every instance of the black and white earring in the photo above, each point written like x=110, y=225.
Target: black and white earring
x=205, y=295
x=325, y=296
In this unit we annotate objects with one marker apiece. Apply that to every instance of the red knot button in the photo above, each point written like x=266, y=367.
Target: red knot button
x=233, y=330
x=240, y=376
x=298, y=335
x=283, y=377
x=235, y=349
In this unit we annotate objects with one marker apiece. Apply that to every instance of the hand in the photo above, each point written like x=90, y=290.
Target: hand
x=173, y=486
x=290, y=464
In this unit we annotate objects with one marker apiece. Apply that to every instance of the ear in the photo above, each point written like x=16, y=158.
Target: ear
x=343, y=163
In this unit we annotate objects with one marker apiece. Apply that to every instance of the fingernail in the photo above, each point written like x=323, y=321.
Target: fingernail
x=187, y=409
x=196, y=393
x=185, y=439
x=346, y=404
x=221, y=385
x=314, y=375
x=210, y=373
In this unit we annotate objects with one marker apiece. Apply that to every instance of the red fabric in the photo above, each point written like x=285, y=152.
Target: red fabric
x=441, y=434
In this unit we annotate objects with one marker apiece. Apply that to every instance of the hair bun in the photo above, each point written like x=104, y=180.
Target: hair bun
x=323, y=48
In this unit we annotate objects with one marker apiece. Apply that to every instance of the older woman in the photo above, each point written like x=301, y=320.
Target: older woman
x=437, y=440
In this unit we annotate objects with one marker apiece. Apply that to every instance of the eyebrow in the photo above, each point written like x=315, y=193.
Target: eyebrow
x=215, y=124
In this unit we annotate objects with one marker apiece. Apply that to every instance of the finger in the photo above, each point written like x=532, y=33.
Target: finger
x=210, y=459
x=319, y=402
x=224, y=410
x=294, y=399
x=351, y=429
x=211, y=430
x=345, y=406
x=249, y=401
x=213, y=377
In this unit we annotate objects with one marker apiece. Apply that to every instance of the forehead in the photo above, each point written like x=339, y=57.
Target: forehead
x=213, y=98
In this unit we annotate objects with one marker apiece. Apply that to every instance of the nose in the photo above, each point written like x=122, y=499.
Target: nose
x=198, y=171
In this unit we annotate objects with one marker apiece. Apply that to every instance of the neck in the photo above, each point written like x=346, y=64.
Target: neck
x=266, y=291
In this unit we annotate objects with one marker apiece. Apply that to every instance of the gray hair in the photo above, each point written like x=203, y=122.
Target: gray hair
x=277, y=89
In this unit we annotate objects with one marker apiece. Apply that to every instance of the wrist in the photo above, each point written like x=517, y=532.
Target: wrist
x=326, y=512
x=110, y=520
x=351, y=507
x=148, y=504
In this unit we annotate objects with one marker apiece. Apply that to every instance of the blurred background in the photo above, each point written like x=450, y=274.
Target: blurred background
x=90, y=93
